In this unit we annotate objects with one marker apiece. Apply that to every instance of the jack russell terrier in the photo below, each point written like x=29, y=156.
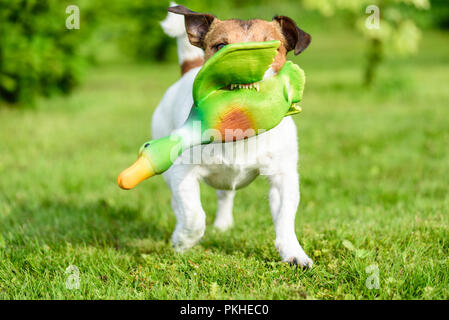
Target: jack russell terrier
x=199, y=36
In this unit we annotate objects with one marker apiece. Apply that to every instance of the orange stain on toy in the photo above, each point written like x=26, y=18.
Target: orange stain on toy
x=235, y=124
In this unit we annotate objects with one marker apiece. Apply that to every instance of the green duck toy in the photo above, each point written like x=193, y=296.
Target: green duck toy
x=221, y=106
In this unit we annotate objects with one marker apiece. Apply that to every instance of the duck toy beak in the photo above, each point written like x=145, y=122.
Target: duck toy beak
x=135, y=174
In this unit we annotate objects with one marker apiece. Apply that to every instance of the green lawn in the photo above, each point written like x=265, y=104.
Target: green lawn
x=374, y=179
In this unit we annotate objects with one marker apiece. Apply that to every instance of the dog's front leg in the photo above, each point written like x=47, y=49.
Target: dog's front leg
x=284, y=200
x=186, y=203
x=224, y=219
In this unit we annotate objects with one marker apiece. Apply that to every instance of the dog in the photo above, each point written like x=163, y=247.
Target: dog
x=199, y=36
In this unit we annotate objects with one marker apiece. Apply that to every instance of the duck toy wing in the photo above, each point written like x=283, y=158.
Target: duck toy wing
x=233, y=100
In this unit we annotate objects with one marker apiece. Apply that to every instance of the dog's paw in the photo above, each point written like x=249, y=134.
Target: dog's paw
x=292, y=253
x=179, y=249
x=301, y=262
x=182, y=246
x=223, y=225
x=184, y=239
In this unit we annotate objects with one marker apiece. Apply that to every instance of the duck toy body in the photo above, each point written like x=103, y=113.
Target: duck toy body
x=232, y=101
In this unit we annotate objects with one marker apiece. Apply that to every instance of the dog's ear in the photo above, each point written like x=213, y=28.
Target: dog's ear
x=296, y=38
x=197, y=24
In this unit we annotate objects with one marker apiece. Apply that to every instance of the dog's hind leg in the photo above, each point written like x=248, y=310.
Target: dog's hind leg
x=186, y=203
x=223, y=219
x=284, y=200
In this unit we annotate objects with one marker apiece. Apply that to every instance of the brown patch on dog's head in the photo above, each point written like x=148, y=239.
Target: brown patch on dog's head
x=197, y=24
x=211, y=34
x=295, y=38
x=188, y=65
x=234, y=31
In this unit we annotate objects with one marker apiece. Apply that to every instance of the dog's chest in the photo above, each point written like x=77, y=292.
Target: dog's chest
x=228, y=177
x=233, y=165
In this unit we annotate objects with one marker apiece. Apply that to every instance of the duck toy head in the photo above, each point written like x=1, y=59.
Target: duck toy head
x=233, y=98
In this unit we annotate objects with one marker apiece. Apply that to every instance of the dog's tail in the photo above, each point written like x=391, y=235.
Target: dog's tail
x=189, y=56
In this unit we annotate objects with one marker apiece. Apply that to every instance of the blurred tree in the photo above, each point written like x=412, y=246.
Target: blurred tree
x=139, y=33
x=138, y=26
x=38, y=54
x=395, y=34
x=440, y=13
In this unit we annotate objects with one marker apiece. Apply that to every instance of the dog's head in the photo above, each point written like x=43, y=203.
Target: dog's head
x=210, y=34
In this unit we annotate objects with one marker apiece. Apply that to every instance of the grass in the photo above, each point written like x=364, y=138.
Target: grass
x=374, y=178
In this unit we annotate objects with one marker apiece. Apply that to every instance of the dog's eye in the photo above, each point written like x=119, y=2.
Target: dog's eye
x=219, y=46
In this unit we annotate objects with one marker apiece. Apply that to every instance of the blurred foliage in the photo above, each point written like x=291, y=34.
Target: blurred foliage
x=136, y=28
x=38, y=54
x=440, y=14
x=397, y=33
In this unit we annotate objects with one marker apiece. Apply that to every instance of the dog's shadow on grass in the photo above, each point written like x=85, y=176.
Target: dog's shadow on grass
x=101, y=224
x=236, y=242
x=95, y=223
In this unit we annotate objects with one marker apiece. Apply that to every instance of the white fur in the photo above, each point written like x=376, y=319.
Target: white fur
x=276, y=157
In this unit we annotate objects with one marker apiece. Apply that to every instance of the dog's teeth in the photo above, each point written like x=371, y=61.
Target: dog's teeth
x=254, y=85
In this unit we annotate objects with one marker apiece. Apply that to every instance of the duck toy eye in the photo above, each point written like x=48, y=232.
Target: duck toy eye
x=145, y=146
